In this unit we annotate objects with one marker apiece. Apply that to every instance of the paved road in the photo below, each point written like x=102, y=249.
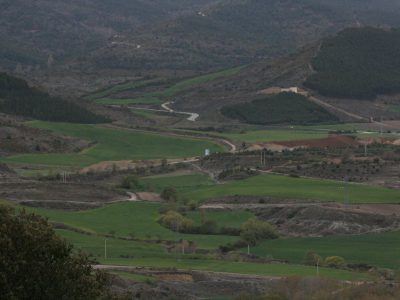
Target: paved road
x=166, y=108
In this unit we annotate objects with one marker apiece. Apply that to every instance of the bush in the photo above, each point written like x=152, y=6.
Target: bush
x=335, y=262
x=131, y=182
x=255, y=230
x=176, y=222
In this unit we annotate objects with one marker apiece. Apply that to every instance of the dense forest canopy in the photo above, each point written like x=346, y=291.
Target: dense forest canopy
x=358, y=63
x=282, y=108
x=17, y=98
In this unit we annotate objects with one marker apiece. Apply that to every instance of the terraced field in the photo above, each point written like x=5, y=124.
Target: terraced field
x=114, y=144
x=375, y=249
x=139, y=220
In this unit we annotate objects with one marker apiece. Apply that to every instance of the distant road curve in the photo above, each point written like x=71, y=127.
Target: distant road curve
x=192, y=116
x=165, y=108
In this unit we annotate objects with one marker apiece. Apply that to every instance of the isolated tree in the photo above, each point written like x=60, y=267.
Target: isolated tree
x=176, y=222
x=35, y=263
x=313, y=259
x=253, y=231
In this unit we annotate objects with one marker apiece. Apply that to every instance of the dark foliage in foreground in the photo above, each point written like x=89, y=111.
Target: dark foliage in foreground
x=37, y=264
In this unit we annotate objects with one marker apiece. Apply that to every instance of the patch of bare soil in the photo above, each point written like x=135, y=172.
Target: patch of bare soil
x=151, y=197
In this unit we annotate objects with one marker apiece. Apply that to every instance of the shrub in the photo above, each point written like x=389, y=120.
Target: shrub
x=131, y=182
x=255, y=230
x=176, y=222
x=335, y=262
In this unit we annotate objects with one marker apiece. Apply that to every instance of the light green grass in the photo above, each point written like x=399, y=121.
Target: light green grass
x=139, y=218
x=240, y=267
x=114, y=144
x=297, y=188
x=181, y=182
x=150, y=255
x=381, y=249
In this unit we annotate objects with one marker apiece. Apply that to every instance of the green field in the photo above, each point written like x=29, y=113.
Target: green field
x=141, y=218
x=297, y=188
x=123, y=219
x=114, y=144
x=181, y=182
x=381, y=249
x=199, y=187
x=155, y=257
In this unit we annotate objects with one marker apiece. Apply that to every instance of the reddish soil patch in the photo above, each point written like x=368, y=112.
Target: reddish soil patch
x=331, y=141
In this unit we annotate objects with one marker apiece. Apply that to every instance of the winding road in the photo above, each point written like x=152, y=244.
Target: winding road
x=166, y=108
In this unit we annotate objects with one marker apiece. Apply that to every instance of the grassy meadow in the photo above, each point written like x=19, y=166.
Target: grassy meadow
x=150, y=255
x=134, y=218
x=297, y=188
x=379, y=249
x=114, y=144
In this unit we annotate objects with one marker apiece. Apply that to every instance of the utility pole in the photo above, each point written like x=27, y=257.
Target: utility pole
x=105, y=248
x=365, y=150
x=248, y=249
x=318, y=267
x=346, y=191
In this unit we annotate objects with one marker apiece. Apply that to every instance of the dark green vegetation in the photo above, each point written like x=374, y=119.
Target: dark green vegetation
x=173, y=35
x=115, y=144
x=358, y=63
x=373, y=249
x=282, y=108
x=35, y=263
x=17, y=98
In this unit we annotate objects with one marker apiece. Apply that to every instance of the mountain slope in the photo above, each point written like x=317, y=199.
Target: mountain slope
x=81, y=43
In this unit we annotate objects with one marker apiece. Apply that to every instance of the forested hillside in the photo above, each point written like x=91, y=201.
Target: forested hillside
x=282, y=108
x=17, y=98
x=81, y=42
x=358, y=63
